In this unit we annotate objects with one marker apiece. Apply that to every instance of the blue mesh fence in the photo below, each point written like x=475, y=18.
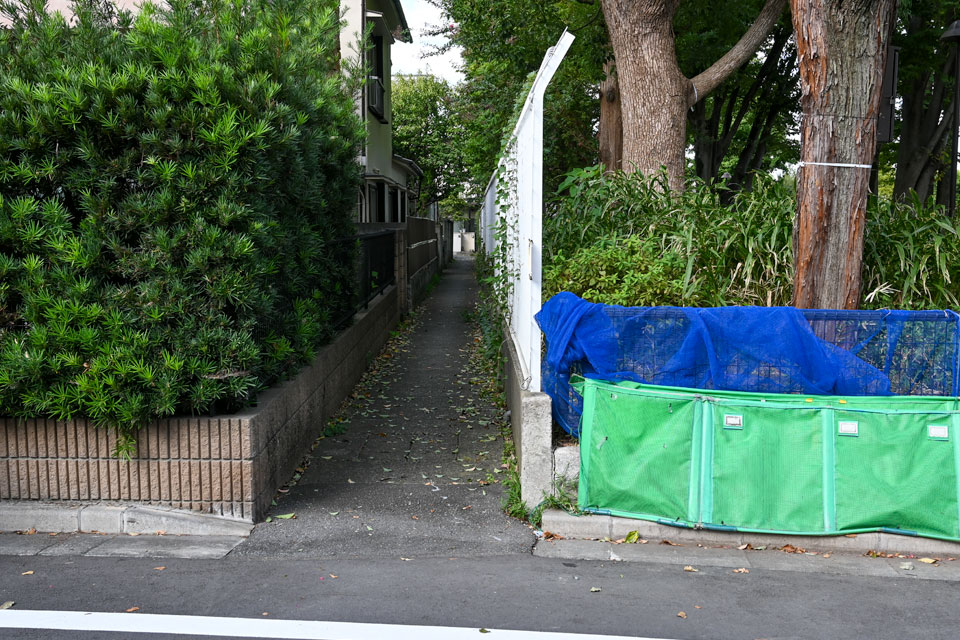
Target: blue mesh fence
x=754, y=349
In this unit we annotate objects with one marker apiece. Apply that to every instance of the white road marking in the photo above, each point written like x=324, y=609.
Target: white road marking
x=264, y=627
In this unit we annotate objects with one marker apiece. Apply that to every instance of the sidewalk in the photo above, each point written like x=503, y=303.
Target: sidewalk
x=409, y=475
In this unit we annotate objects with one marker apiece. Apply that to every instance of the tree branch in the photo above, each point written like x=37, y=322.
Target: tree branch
x=747, y=46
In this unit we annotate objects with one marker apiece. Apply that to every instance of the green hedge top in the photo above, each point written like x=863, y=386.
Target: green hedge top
x=176, y=203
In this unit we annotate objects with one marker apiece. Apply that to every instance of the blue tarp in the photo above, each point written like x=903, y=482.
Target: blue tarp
x=758, y=349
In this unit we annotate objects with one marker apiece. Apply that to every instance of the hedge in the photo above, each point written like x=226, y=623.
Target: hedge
x=177, y=192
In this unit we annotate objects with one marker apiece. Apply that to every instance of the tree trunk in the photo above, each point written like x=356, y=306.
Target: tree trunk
x=654, y=93
x=841, y=47
x=610, y=134
x=925, y=128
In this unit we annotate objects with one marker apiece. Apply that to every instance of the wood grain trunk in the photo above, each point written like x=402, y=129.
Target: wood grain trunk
x=841, y=46
x=610, y=134
x=654, y=108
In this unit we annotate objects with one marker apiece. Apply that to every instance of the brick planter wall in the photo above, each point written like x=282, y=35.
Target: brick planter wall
x=229, y=465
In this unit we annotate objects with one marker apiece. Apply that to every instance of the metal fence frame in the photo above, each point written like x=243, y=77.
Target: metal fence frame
x=515, y=196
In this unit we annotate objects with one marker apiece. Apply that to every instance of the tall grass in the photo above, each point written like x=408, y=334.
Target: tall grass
x=625, y=239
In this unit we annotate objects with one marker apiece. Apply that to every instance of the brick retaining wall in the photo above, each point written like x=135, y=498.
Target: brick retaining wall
x=228, y=465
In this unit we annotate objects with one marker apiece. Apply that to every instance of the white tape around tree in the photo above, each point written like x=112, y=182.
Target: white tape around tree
x=836, y=164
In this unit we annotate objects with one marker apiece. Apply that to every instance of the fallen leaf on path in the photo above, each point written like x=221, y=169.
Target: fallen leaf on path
x=333, y=576
x=745, y=547
x=7, y=604
x=690, y=569
x=595, y=589
x=826, y=555
x=133, y=533
x=349, y=481
x=696, y=606
x=27, y=573
x=550, y=535
x=741, y=570
x=682, y=614
x=927, y=560
x=632, y=537
x=414, y=517
x=482, y=630
x=286, y=516
x=789, y=548
x=265, y=613
x=159, y=568
x=132, y=609
x=672, y=544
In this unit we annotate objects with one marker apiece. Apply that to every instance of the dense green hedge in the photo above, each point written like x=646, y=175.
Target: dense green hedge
x=624, y=239
x=176, y=201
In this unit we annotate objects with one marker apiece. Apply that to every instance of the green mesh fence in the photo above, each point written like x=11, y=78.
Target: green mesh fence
x=812, y=465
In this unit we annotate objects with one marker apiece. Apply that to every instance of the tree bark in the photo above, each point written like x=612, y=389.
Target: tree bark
x=841, y=47
x=610, y=134
x=654, y=93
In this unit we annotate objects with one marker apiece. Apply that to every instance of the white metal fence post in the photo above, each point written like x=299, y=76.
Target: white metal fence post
x=522, y=168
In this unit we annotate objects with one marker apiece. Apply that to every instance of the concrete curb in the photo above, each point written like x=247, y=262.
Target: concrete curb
x=107, y=518
x=599, y=527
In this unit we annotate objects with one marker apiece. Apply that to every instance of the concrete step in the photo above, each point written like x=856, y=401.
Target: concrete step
x=601, y=527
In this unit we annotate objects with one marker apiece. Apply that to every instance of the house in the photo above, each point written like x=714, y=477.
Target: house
x=388, y=193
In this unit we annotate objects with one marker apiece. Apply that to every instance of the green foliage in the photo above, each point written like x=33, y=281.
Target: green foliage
x=908, y=254
x=505, y=40
x=629, y=271
x=707, y=253
x=623, y=239
x=175, y=190
x=427, y=129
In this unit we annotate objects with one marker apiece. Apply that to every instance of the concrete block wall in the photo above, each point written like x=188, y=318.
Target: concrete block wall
x=227, y=465
x=532, y=425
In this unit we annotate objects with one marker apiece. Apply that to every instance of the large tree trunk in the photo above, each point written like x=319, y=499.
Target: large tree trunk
x=610, y=134
x=654, y=93
x=841, y=46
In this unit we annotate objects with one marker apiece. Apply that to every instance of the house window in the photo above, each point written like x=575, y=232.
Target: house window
x=377, y=202
x=375, y=78
x=395, y=206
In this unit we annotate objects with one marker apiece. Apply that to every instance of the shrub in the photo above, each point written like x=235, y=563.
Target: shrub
x=176, y=195
x=625, y=239
x=693, y=249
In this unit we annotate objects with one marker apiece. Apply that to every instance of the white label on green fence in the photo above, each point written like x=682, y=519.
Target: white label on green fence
x=848, y=428
x=938, y=431
x=732, y=422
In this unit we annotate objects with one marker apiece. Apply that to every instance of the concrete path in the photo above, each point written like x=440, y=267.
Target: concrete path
x=416, y=472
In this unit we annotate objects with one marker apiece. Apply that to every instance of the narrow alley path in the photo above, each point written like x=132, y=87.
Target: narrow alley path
x=408, y=477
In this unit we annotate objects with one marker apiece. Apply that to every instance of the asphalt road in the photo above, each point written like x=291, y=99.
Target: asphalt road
x=516, y=591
